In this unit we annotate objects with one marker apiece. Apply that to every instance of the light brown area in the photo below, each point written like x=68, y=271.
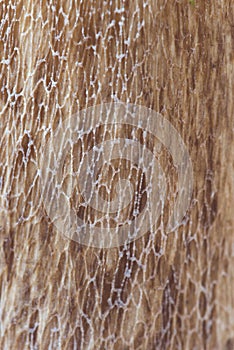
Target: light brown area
x=59, y=57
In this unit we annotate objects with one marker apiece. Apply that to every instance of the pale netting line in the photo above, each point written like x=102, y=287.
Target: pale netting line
x=87, y=176
x=63, y=55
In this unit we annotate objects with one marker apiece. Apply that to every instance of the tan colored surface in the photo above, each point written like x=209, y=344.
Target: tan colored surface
x=178, y=60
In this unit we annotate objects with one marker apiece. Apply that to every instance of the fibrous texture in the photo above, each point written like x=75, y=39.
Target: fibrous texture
x=164, y=290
